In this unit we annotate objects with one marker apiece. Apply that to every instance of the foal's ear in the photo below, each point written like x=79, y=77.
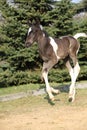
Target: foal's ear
x=29, y=22
x=38, y=21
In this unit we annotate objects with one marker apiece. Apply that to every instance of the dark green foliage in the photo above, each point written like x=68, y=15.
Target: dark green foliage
x=27, y=58
x=20, y=65
x=85, y=4
x=60, y=18
x=82, y=6
x=80, y=25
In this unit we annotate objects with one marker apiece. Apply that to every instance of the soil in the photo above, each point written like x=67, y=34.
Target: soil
x=66, y=118
x=43, y=116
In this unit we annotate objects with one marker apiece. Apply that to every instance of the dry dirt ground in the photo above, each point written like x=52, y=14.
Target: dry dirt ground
x=36, y=113
x=45, y=119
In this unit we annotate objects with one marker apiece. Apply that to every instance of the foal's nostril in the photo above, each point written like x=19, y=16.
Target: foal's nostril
x=27, y=44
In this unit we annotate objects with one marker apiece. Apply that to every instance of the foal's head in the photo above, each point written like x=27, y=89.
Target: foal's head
x=33, y=32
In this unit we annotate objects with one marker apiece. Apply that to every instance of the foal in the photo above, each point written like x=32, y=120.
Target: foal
x=52, y=50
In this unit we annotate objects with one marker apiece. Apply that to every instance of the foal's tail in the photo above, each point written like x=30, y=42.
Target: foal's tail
x=76, y=36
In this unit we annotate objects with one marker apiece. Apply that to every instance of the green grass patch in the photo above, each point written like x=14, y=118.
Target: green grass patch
x=33, y=102
x=17, y=89
x=24, y=88
x=27, y=87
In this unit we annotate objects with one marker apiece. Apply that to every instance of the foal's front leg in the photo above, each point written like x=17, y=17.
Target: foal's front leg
x=46, y=67
x=73, y=73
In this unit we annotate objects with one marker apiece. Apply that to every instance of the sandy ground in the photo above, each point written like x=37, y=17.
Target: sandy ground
x=63, y=118
x=36, y=113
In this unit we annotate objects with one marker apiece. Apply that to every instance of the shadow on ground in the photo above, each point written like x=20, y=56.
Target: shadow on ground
x=40, y=91
x=61, y=88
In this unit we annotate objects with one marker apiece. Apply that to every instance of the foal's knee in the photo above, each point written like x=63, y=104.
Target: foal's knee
x=77, y=68
x=44, y=72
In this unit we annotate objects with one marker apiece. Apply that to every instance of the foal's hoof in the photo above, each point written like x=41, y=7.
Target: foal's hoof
x=57, y=91
x=71, y=99
x=52, y=99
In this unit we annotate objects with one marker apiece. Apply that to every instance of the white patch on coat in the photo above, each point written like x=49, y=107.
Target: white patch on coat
x=29, y=30
x=55, y=46
x=43, y=34
x=41, y=27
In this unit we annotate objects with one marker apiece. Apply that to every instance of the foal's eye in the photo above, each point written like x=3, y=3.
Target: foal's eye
x=31, y=31
x=34, y=31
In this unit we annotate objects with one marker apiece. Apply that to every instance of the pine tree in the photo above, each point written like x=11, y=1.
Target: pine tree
x=14, y=57
x=17, y=62
x=84, y=2
x=80, y=25
x=60, y=18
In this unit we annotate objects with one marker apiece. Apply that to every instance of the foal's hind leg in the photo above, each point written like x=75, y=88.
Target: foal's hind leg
x=46, y=67
x=76, y=71
x=73, y=73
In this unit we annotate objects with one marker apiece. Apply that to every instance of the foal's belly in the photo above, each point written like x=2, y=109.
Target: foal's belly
x=62, y=54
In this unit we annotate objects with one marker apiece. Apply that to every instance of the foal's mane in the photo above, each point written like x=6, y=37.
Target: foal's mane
x=46, y=34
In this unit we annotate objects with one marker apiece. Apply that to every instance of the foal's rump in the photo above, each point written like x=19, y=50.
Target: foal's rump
x=67, y=45
x=74, y=45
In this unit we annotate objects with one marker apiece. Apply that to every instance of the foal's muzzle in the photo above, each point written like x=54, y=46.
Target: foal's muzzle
x=27, y=44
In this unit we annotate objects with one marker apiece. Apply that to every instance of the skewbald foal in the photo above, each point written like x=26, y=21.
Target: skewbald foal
x=54, y=49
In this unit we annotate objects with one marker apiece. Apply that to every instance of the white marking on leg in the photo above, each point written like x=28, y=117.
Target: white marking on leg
x=48, y=88
x=74, y=74
x=55, y=46
x=46, y=67
x=71, y=73
x=72, y=86
x=76, y=70
x=56, y=91
x=72, y=80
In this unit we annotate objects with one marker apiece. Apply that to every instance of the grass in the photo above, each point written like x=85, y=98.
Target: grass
x=33, y=102
x=27, y=87
x=26, y=104
x=17, y=89
x=23, y=88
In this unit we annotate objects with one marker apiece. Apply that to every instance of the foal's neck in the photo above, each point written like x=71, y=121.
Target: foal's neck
x=41, y=36
x=42, y=40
